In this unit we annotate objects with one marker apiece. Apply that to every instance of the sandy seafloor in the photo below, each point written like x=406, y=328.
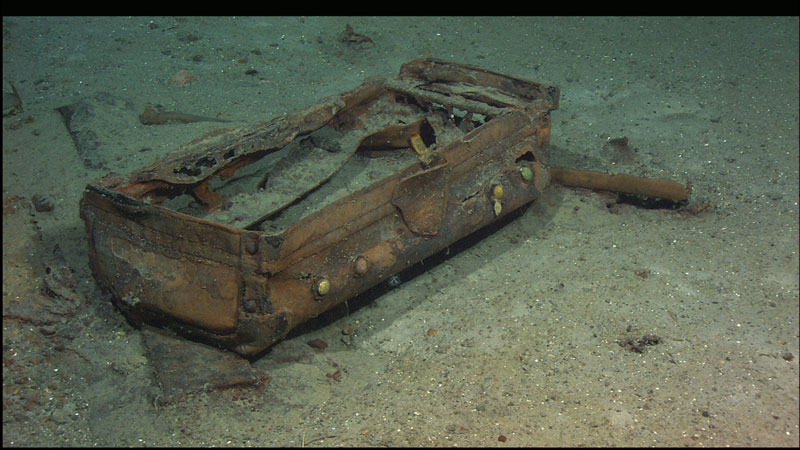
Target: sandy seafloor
x=527, y=319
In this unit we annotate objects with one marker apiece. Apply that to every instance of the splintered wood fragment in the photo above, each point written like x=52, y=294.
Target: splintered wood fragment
x=626, y=184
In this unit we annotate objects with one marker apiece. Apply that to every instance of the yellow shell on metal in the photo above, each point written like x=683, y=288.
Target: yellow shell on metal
x=323, y=287
x=498, y=192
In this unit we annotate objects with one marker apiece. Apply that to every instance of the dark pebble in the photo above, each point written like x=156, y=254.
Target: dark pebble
x=318, y=344
x=42, y=204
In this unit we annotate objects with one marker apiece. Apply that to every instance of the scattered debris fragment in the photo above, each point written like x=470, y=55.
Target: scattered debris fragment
x=354, y=39
x=41, y=204
x=317, y=344
x=181, y=79
x=77, y=117
x=183, y=367
x=151, y=116
x=12, y=102
x=621, y=152
x=639, y=345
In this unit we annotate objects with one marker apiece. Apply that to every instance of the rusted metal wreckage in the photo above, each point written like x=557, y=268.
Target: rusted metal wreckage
x=247, y=232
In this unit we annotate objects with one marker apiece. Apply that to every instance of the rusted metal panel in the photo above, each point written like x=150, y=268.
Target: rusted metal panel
x=245, y=233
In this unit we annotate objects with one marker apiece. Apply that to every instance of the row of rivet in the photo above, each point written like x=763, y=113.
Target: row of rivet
x=361, y=265
x=323, y=285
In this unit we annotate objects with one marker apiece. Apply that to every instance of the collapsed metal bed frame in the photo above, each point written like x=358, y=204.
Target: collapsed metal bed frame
x=234, y=237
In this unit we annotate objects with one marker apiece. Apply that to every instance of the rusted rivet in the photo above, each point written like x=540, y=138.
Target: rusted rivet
x=526, y=172
x=322, y=287
x=251, y=247
x=250, y=306
x=361, y=266
x=498, y=192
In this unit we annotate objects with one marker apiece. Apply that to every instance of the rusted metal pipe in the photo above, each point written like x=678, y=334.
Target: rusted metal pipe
x=626, y=184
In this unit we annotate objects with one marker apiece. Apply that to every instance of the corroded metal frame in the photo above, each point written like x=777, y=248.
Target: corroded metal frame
x=244, y=288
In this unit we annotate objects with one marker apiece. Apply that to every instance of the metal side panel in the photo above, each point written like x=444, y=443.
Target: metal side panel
x=155, y=263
